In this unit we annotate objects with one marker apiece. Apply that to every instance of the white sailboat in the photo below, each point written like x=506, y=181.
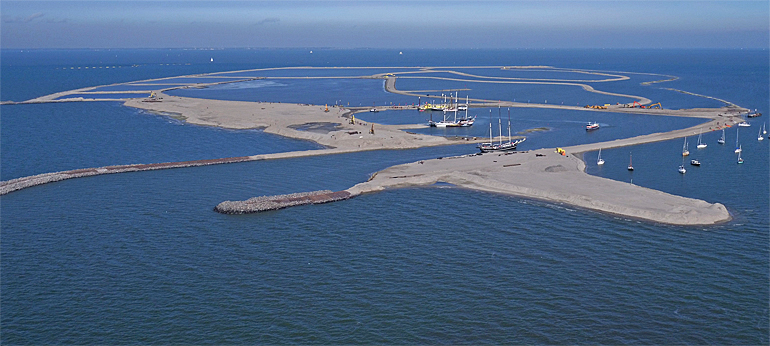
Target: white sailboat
x=740, y=160
x=681, y=167
x=701, y=145
x=630, y=165
x=764, y=130
x=685, y=152
x=599, y=160
x=721, y=140
x=759, y=136
x=737, y=146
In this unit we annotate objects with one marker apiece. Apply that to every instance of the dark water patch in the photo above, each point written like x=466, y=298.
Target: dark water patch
x=317, y=127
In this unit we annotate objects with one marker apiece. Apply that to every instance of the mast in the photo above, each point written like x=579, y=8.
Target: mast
x=509, y=125
x=466, y=107
x=455, y=107
x=490, y=127
x=500, y=124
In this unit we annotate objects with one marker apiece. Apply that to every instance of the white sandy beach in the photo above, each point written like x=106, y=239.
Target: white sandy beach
x=545, y=175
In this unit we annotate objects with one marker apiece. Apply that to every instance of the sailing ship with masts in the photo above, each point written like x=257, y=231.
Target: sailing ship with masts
x=500, y=146
x=465, y=121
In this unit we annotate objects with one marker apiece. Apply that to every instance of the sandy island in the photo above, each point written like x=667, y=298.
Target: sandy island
x=540, y=174
x=330, y=128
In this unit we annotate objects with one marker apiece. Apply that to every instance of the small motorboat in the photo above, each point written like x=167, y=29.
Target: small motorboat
x=592, y=126
x=744, y=124
x=695, y=162
x=682, y=169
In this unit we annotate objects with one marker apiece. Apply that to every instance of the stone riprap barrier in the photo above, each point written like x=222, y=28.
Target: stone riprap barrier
x=266, y=203
x=12, y=185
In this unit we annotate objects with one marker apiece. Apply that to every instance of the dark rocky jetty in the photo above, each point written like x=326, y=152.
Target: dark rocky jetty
x=40, y=179
x=265, y=203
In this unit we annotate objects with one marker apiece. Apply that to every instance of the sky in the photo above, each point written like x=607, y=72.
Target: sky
x=384, y=24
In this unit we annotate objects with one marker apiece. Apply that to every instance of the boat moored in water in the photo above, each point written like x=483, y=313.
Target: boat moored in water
x=701, y=145
x=500, y=146
x=505, y=146
x=685, y=151
x=599, y=160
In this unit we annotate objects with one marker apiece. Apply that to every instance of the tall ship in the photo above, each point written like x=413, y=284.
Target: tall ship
x=465, y=121
x=500, y=146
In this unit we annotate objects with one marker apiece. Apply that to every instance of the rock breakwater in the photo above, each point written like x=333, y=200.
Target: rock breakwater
x=40, y=179
x=265, y=203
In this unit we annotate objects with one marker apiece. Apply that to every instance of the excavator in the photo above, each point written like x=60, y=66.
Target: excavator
x=655, y=105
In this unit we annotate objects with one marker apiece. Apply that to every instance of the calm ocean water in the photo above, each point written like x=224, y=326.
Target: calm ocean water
x=142, y=258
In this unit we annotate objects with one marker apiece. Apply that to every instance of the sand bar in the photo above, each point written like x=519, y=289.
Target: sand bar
x=545, y=175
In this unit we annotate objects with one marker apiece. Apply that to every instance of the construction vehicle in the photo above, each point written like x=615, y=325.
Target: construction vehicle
x=595, y=107
x=655, y=105
x=633, y=105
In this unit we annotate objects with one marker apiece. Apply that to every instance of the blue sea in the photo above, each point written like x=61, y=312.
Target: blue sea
x=142, y=258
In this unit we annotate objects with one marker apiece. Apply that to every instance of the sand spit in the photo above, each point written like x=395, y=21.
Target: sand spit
x=718, y=121
x=541, y=174
x=546, y=175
